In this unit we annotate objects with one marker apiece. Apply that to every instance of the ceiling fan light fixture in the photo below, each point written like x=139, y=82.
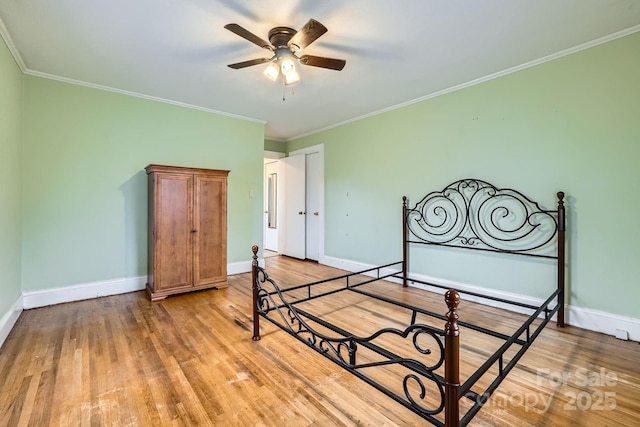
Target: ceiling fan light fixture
x=287, y=66
x=272, y=71
x=291, y=78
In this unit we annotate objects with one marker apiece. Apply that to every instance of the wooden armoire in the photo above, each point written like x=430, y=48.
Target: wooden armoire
x=187, y=230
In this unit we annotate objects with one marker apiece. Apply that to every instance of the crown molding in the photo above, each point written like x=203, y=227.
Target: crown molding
x=4, y=33
x=140, y=95
x=553, y=56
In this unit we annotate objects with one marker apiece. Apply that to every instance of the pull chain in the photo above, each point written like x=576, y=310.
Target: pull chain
x=284, y=92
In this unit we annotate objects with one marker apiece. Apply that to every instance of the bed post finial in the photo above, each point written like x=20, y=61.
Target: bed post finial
x=561, y=258
x=254, y=288
x=405, y=261
x=451, y=360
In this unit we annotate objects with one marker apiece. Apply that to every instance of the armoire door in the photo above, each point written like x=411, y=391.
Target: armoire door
x=209, y=230
x=173, y=253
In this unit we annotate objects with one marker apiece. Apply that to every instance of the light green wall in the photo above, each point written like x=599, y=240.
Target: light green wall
x=84, y=188
x=10, y=116
x=277, y=146
x=571, y=124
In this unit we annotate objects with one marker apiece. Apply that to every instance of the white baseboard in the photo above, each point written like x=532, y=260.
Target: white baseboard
x=42, y=298
x=242, y=267
x=79, y=292
x=9, y=319
x=345, y=264
x=594, y=320
x=585, y=318
x=601, y=321
x=238, y=267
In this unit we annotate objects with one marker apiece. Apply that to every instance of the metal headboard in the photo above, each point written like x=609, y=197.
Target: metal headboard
x=473, y=214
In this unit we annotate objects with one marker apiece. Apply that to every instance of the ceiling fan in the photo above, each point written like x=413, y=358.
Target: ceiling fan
x=285, y=42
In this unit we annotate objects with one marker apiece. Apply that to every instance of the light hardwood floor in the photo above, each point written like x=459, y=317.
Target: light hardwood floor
x=189, y=360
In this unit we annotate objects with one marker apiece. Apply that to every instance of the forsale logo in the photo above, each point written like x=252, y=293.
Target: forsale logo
x=594, y=399
x=584, y=400
x=581, y=378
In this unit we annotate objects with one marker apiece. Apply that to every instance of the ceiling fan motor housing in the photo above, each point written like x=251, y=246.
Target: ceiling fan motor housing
x=279, y=37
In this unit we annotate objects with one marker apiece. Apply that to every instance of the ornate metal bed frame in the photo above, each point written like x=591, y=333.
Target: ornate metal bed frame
x=468, y=213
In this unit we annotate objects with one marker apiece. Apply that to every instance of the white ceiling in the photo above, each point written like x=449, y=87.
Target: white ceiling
x=396, y=51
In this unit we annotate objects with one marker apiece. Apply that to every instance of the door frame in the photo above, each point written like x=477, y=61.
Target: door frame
x=319, y=148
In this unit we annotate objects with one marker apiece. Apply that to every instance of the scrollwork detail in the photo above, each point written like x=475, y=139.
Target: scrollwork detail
x=473, y=213
x=423, y=393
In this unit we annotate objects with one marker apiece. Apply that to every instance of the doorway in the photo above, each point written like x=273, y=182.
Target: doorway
x=301, y=219
x=272, y=197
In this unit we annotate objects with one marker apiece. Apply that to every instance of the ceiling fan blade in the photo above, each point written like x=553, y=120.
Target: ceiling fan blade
x=248, y=35
x=307, y=35
x=245, y=64
x=319, y=61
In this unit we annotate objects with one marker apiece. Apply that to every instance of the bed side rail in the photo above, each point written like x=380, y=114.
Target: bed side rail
x=530, y=333
x=382, y=272
x=421, y=389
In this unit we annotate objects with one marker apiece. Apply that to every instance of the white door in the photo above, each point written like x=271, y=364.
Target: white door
x=292, y=236
x=271, y=210
x=312, y=206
